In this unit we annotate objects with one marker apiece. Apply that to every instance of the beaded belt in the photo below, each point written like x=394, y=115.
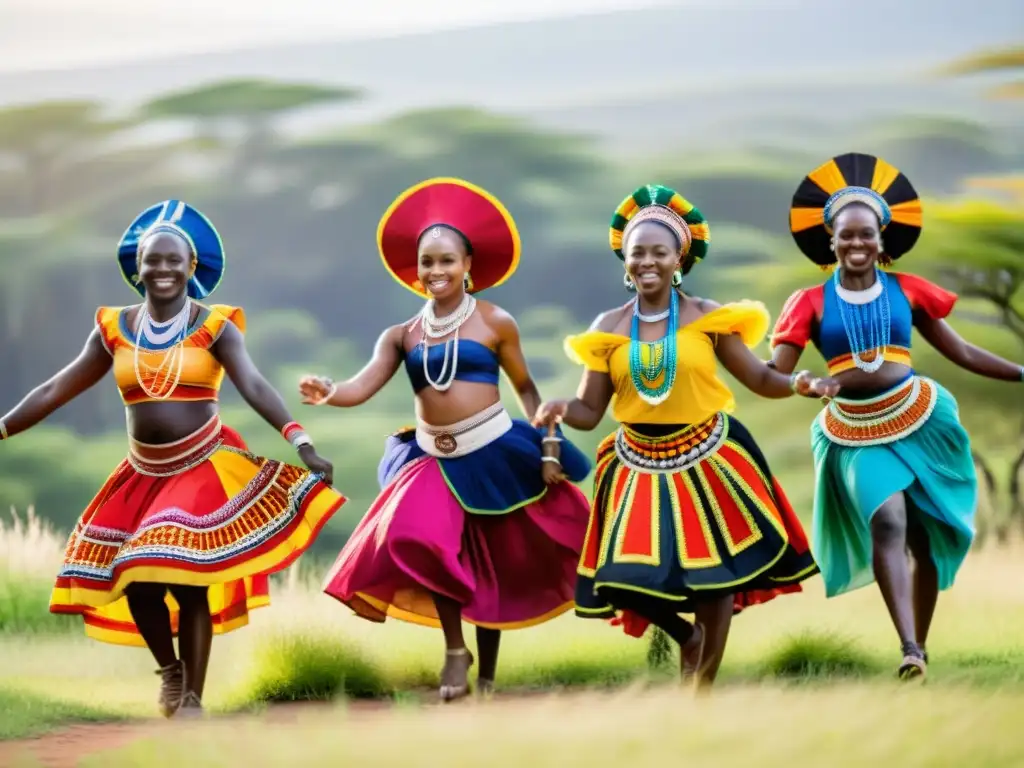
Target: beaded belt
x=670, y=453
x=465, y=436
x=169, y=459
x=884, y=419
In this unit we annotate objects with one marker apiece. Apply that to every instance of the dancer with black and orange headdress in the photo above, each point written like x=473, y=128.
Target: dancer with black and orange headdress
x=687, y=516
x=181, y=538
x=893, y=464
x=474, y=521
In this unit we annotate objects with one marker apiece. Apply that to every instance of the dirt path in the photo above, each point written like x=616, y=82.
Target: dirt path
x=64, y=747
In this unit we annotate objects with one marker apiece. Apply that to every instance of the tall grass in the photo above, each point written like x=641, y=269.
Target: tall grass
x=30, y=554
x=306, y=646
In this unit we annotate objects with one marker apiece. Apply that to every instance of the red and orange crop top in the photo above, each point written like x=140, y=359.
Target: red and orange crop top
x=812, y=315
x=201, y=372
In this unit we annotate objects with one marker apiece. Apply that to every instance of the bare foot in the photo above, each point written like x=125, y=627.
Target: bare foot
x=691, y=654
x=455, y=674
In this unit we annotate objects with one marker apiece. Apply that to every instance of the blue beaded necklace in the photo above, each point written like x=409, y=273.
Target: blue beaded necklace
x=868, y=326
x=661, y=359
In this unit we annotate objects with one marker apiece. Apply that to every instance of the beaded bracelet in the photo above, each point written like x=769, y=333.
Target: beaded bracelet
x=287, y=429
x=554, y=459
x=295, y=434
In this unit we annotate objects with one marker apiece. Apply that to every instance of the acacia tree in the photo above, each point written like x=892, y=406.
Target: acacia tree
x=978, y=248
x=41, y=146
x=241, y=114
x=996, y=272
x=1009, y=59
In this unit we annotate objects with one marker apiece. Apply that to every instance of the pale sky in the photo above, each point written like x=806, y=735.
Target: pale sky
x=42, y=34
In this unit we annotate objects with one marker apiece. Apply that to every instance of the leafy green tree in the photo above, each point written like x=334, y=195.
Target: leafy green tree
x=978, y=249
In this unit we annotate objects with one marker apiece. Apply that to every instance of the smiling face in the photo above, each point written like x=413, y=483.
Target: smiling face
x=442, y=263
x=652, y=256
x=858, y=239
x=165, y=266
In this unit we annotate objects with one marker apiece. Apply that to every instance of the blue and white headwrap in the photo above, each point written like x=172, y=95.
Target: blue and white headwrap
x=861, y=195
x=181, y=219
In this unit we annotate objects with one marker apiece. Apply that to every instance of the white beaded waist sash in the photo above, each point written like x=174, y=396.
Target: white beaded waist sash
x=466, y=436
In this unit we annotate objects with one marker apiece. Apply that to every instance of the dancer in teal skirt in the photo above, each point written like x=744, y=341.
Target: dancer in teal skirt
x=892, y=461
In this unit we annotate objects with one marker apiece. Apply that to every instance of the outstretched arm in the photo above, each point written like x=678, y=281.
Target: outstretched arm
x=585, y=411
x=763, y=379
x=955, y=348
x=387, y=357
x=83, y=372
x=261, y=396
x=513, y=361
x=785, y=358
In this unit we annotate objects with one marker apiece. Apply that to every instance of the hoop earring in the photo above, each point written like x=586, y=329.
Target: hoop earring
x=467, y=282
x=627, y=281
x=677, y=278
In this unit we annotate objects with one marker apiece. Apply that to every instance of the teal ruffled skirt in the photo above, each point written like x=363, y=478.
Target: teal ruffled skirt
x=907, y=439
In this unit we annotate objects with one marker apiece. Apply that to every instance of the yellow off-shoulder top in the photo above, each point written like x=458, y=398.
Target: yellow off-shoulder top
x=698, y=392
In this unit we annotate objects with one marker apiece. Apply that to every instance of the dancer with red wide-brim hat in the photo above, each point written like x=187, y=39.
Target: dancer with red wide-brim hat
x=475, y=520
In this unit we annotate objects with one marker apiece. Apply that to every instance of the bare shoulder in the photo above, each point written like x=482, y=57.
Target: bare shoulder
x=611, y=319
x=496, y=317
x=395, y=334
x=704, y=305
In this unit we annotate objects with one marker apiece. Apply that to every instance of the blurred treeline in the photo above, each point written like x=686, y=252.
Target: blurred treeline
x=299, y=213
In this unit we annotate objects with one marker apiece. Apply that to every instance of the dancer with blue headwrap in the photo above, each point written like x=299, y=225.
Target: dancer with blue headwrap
x=181, y=538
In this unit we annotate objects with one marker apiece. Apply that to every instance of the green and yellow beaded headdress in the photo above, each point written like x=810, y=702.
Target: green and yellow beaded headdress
x=654, y=202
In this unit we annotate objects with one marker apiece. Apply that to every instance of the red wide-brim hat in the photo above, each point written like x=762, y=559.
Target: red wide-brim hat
x=473, y=211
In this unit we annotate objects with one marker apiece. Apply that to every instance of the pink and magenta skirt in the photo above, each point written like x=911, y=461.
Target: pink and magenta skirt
x=482, y=529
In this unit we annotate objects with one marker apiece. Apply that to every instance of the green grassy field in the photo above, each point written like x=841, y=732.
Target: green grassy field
x=776, y=727
x=782, y=657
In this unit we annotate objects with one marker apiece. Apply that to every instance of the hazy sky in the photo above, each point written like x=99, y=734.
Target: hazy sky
x=38, y=34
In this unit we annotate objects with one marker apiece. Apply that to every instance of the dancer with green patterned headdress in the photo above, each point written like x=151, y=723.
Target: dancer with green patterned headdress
x=687, y=516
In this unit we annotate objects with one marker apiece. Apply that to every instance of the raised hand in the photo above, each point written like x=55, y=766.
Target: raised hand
x=316, y=390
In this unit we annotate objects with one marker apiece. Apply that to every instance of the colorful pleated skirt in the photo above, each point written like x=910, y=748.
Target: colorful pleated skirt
x=201, y=512
x=685, y=512
x=907, y=439
x=479, y=527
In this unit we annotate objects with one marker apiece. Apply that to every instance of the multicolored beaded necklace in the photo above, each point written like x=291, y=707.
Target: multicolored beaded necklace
x=868, y=324
x=661, y=357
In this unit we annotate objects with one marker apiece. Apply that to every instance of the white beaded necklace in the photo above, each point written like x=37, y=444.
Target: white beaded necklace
x=655, y=318
x=435, y=328
x=172, y=359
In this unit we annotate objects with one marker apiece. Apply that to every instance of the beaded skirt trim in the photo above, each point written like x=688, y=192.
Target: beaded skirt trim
x=886, y=418
x=671, y=453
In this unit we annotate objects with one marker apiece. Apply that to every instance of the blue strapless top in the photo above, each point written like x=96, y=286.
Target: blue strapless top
x=477, y=363
x=830, y=336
